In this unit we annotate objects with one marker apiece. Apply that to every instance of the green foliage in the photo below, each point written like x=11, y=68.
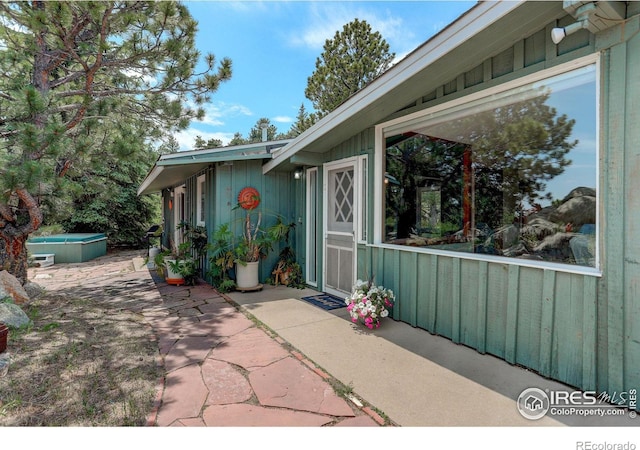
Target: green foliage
x=221, y=258
x=50, y=326
x=188, y=254
x=87, y=89
x=517, y=148
x=158, y=261
x=286, y=271
x=200, y=143
x=102, y=195
x=238, y=139
x=187, y=267
x=304, y=120
x=255, y=134
x=254, y=243
x=195, y=237
x=350, y=61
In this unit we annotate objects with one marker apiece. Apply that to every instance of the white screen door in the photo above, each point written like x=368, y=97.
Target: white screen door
x=339, y=240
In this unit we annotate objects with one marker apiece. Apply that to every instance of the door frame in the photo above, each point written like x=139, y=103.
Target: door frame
x=346, y=162
x=179, y=214
x=312, y=226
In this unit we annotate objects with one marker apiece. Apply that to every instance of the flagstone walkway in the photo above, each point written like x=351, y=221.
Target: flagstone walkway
x=221, y=368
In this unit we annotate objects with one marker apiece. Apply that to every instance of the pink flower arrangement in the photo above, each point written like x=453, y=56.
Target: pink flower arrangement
x=369, y=303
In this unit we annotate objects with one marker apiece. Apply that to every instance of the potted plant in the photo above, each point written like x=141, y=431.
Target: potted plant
x=369, y=303
x=4, y=336
x=252, y=246
x=286, y=271
x=159, y=261
x=183, y=266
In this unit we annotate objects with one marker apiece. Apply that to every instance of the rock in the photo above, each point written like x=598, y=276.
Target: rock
x=5, y=360
x=507, y=236
x=556, y=248
x=516, y=250
x=576, y=211
x=33, y=290
x=579, y=192
x=13, y=316
x=540, y=228
x=11, y=287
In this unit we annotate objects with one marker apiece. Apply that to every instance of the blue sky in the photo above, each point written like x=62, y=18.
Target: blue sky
x=274, y=45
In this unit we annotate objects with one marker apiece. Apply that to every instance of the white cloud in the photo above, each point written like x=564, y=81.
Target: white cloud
x=283, y=119
x=187, y=138
x=326, y=19
x=216, y=113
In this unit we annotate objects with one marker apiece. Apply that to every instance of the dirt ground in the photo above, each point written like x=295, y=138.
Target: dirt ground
x=83, y=362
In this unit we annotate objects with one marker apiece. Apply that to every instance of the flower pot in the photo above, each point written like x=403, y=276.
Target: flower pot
x=172, y=277
x=247, y=276
x=4, y=333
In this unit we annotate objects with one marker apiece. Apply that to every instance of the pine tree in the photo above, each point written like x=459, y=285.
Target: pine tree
x=350, y=61
x=304, y=120
x=70, y=72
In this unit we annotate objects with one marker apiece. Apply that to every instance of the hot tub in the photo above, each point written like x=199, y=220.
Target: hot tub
x=70, y=247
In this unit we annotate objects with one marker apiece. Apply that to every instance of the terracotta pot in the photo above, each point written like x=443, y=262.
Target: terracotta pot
x=4, y=333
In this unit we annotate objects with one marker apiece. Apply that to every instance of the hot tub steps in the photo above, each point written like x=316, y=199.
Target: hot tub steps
x=44, y=259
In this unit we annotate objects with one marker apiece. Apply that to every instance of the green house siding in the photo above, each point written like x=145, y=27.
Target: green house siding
x=223, y=183
x=619, y=305
x=580, y=329
x=541, y=319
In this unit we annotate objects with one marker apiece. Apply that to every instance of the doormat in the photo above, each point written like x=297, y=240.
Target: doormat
x=326, y=301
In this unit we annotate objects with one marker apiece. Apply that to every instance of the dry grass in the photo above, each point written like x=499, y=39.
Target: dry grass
x=81, y=363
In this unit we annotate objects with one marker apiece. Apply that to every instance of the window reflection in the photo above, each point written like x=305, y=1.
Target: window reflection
x=511, y=175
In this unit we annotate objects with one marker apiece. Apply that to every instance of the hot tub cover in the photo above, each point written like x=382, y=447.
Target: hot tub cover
x=82, y=238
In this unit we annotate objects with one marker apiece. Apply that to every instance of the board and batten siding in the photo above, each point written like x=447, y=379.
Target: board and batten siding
x=224, y=183
x=619, y=288
x=576, y=328
x=538, y=318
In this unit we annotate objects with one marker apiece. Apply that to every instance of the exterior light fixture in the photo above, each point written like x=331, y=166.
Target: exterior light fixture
x=297, y=174
x=583, y=14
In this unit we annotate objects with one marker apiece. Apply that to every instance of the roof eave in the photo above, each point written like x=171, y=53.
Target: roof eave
x=176, y=165
x=472, y=22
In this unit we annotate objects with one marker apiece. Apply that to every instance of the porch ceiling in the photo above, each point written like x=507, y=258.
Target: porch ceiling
x=162, y=177
x=483, y=32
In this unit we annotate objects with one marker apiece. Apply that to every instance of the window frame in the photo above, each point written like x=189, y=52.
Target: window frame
x=362, y=167
x=397, y=125
x=200, y=198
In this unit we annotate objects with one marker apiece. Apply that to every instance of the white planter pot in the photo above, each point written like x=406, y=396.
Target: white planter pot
x=172, y=277
x=247, y=276
x=153, y=252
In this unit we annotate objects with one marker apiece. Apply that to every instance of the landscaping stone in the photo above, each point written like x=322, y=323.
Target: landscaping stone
x=12, y=315
x=11, y=287
x=33, y=290
x=5, y=360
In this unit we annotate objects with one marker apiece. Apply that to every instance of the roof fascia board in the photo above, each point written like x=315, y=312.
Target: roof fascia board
x=151, y=177
x=476, y=19
x=264, y=145
x=212, y=159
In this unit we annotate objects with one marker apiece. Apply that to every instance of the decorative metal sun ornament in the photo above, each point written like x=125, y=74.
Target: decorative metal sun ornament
x=249, y=198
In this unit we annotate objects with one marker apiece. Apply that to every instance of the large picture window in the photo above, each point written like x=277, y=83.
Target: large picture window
x=513, y=174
